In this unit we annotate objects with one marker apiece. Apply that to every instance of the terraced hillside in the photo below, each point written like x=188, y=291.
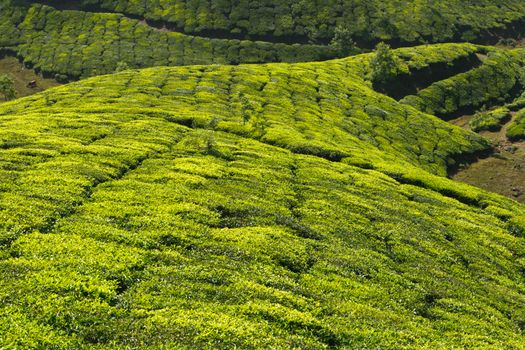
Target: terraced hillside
x=368, y=21
x=253, y=206
x=487, y=95
x=83, y=38
x=77, y=44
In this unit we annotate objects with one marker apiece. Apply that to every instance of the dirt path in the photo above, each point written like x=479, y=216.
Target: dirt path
x=503, y=172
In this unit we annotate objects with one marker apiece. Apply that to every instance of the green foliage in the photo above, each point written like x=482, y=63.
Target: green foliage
x=496, y=81
x=516, y=130
x=384, y=65
x=7, y=87
x=367, y=21
x=267, y=206
x=342, y=40
x=121, y=66
x=518, y=103
x=82, y=44
x=490, y=120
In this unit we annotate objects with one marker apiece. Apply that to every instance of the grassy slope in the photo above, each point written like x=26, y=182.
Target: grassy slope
x=217, y=207
x=492, y=88
x=498, y=80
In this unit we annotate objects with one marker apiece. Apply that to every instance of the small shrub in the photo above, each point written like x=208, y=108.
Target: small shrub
x=7, y=87
x=121, y=66
x=342, y=41
x=516, y=130
x=490, y=120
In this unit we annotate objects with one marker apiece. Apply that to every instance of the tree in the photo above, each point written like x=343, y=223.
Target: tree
x=342, y=40
x=384, y=65
x=7, y=87
x=121, y=66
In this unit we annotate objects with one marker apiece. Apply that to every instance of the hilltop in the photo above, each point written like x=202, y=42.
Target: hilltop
x=258, y=206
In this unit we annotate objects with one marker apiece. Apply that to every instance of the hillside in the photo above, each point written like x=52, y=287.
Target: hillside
x=83, y=38
x=405, y=22
x=79, y=44
x=253, y=206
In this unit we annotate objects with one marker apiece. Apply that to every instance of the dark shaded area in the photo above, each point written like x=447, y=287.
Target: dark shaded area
x=472, y=109
x=460, y=161
x=411, y=83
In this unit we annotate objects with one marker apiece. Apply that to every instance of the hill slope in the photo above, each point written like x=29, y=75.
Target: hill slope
x=263, y=206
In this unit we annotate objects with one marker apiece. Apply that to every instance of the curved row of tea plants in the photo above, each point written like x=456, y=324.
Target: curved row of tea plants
x=326, y=109
x=500, y=78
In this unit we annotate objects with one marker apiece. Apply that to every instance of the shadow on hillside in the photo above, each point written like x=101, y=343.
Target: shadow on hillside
x=411, y=83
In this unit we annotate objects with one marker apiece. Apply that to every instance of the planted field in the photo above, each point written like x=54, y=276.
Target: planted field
x=89, y=37
x=247, y=190
x=253, y=206
x=498, y=80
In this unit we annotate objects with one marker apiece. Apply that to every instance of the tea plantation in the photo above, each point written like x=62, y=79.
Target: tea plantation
x=83, y=38
x=77, y=44
x=269, y=206
x=403, y=21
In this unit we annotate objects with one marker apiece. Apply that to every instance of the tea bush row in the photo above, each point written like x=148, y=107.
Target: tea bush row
x=253, y=206
x=498, y=80
x=214, y=240
x=490, y=120
x=516, y=130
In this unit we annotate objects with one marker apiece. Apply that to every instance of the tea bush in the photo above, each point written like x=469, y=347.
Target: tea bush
x=516, y=130
x=81, y=44
x=490, y=120
x=497, y=80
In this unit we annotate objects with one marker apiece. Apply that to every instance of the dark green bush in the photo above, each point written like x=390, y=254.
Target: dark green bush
x=497, y=80
x=490, y=120
x=516, y=130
